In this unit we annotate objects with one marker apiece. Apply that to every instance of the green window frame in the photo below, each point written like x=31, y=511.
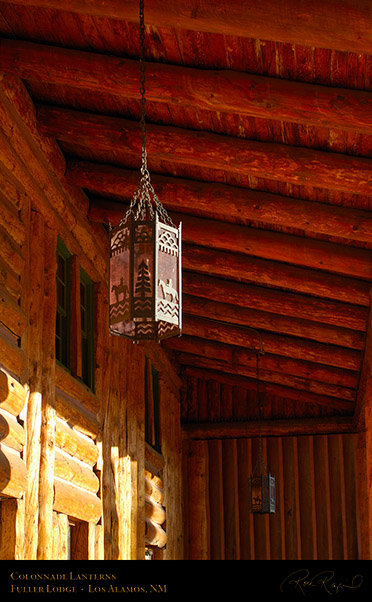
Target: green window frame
x=87, y=329
x=76, y=356
x=63, y=318
x=152, y=417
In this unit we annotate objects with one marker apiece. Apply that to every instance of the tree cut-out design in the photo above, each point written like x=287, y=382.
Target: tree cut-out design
x=143, y=284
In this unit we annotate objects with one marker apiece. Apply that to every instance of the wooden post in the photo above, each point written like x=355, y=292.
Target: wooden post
x=132, y=385
x=123, y=455
x=47, y=440
x=33, y=420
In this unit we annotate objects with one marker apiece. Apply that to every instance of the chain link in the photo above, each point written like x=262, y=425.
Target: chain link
x=144, y=198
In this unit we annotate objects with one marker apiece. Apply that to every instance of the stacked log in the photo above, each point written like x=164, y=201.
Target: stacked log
x=12, y=437
x=75, y=483
x=154, y=511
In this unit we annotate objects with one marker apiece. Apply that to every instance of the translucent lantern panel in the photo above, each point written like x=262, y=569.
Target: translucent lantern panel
x=256, y=494
x=168, y=291
x=143, y=270
x=120, y=290
x=262, y=494
x=272, y=493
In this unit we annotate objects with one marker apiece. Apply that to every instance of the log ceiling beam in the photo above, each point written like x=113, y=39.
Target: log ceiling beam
x=310, y=23
x=232, y=354
x=228, y=203
x=290, y=164
x=311, y=391
x=297, y=348
x=269, y=389
x=295, y=250
x=270, y=428
x=341, y=260
x=253, y=270
x=271, y=322
x=233, y=92
x=278, y=302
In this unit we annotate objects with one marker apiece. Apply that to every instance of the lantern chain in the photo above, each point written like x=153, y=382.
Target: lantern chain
x=260, y=460
x=141, y=204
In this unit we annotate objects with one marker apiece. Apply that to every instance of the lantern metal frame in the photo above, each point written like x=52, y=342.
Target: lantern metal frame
x=145, y=298
x=261, y=483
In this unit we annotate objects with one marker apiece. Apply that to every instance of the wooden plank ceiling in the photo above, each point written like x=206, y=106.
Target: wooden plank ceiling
x=259, y=139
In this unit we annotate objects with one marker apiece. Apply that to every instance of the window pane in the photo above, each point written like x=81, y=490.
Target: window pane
x=63, y=318
x=87, y=328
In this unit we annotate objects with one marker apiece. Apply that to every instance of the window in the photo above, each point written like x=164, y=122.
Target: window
x=152, y=425
x=63, y=322
x=87, y=329
x=75, y=317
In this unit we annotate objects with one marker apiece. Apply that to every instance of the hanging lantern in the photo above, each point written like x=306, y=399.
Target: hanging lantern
x=145, y=257
x=145, y=279
x=261, y=493
x=261, y=484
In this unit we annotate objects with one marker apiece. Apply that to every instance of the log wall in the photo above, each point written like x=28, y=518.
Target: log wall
x=317, y=499
x=72, y=461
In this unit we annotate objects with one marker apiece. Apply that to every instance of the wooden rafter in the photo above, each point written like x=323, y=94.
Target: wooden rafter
x=312, y=23
x=271, y=428
x=278, y=302
x=253, y=270
x=325, y=391
x=296, y=165
x=233, y=354
x=212, y=372
x=233, y=92
x=272, y=322
x=332, y=355
x=229, y=203
x=305, y=252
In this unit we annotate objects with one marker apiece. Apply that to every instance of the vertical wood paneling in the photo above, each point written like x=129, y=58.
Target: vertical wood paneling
x=217, y=535
x=198, y=501
x=226, y=401
x=214, y=400
x=275, y=526
x=343, y=499
x=267, y=516
x=316, y=499
x=297, y=498
x=259, y=521
x=245, y=519
x=328, y=498
x=306, y=501
x=351, y=501
x=320, y=499
x=230, y=496
x=313, y=499
x=290, y=522
x=335, y=498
